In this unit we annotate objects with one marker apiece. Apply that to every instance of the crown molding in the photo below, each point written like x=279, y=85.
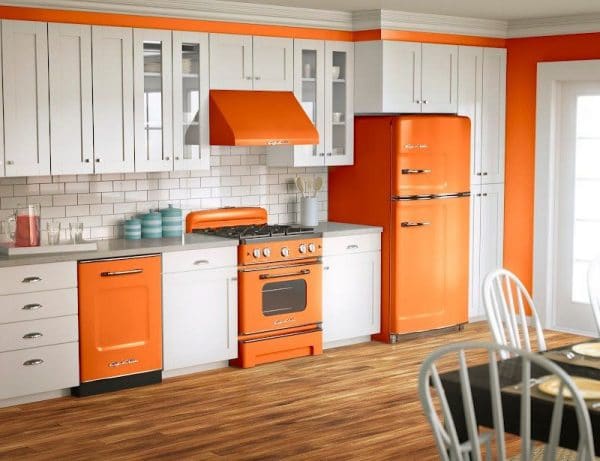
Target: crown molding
x=210, y=10
x=564, y=25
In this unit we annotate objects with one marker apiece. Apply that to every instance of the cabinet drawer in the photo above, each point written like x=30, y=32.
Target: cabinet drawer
x=191, y=260
x=41, y=369
x=38, y=277
x=349, y=244
x=38, y=305
x=36, y=333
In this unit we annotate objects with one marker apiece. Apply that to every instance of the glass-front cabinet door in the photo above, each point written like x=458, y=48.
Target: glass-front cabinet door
x=190, y=101
x=153, y=100
x=339, y=110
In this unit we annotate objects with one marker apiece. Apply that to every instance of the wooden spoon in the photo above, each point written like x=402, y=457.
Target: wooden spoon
x=300, y=185
x=317, y=185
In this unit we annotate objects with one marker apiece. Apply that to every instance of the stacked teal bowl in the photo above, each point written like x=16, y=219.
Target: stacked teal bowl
x=133, y=229
x=172, y=222
x=152, y=225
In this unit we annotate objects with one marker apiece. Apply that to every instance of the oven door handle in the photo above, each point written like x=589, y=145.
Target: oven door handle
x=278, y=276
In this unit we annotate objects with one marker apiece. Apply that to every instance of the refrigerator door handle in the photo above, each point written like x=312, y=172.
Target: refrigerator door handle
x=415, y=171
x=414, y=224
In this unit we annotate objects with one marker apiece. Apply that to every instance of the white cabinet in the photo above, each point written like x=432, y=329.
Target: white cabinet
x=323, y=83
x=482, y=97
x=351, y=287
x=71, y=120
x=25, y=97
x=112, y=77
x=153, y=110
x=487, y=226
x=199, y=307
x=243, y=62
x=405, y=77
x=191, y=147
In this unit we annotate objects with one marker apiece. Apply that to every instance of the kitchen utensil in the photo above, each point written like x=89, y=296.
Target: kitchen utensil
x=589, y=388
x=317, y=185
x=589, y=349
x=53, y=230
x=27, y=226
x=308, y=187
x=171, y=222
x=335, y=72
x=300, y=185
x=133, y=229
x=76, y=231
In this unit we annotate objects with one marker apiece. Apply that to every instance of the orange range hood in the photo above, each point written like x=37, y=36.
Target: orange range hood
x=258, y=118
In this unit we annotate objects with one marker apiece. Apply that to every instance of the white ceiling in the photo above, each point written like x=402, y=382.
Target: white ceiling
x=487, y=9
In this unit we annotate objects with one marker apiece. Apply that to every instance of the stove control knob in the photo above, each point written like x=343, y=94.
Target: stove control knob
x=302, y=248
x=256, y=253
x=285, y=252
x=267, y=252
x=311, y=247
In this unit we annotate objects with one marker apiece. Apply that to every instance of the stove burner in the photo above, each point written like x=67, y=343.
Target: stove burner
x=255, y=231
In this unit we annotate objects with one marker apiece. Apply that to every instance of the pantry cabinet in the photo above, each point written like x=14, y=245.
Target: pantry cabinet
x=199, y=307
x=487, y=224
x=25, y=98
x=351, y=287
x=405, y=77
x=71, y=119
x=243, y=62
x=323, y=83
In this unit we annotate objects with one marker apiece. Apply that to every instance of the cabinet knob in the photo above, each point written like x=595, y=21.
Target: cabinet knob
x=485, y=194
x=328, y=154
x=325, y=268
x=418, y=101
x=322, y=154
x=257, y=77
x=167, y=158
x=98, y=160
x=478, y=173
x=485, y=173
x=10, y=162
x=425, y=101
x=176, y=158
x=86, y=160
x=248, y=78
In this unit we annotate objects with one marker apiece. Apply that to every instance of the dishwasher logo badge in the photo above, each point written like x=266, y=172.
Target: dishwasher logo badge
x=122, y=362
x=282, y=321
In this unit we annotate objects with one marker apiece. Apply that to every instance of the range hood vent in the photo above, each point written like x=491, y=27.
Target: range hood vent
x=258, y=118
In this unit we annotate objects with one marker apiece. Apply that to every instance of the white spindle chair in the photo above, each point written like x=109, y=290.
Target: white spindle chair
x=444, y=431
x=509, y=321
x=593, y=281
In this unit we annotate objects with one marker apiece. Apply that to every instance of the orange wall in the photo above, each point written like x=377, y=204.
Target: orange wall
x=523, y=56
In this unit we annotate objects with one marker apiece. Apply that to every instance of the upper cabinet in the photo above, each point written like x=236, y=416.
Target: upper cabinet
x=481, y=97
x=25, y=98
x=243, y=62
x=191, y=147
x=406, y=77
x=71, y=120
x=323, y=83
x=153, y=110
x=112, y=77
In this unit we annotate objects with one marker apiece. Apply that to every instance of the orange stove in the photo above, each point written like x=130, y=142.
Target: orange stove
x=279, y=283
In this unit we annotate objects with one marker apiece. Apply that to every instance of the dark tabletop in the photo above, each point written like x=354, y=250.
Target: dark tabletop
x=509, y=372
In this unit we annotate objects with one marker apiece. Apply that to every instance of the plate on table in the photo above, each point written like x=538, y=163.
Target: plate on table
x=589, y=349
x=589, y=388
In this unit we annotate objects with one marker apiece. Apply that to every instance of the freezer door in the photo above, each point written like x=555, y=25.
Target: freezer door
x=430, y=155
x=429, y=264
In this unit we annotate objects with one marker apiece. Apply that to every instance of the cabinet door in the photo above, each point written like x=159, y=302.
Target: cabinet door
x=25, y=79
x=199, y=329
x=112, y=81
x=351, y=295
x=487, y=248
x=493, y=115
x=273, y=63
x=439, y=66
x=190, y=101
x=470, y=66
x=153, y=110
x=476, y=310
x=339, y=107
x=402, y=77
x=231, y=62
x=71, y=122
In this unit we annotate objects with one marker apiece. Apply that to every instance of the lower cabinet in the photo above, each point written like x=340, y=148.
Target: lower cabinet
x=351, y=287
x=199, y=308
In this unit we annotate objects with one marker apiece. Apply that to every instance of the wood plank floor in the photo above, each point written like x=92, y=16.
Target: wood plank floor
x=358, y=402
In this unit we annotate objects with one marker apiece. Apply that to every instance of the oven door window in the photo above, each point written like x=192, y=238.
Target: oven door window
x=284, y=297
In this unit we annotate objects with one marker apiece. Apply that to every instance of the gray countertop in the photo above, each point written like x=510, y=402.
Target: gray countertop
x=116, y=248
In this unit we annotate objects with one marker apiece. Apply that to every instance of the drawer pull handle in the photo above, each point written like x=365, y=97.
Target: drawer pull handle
x=352, y=247
x=31, y=280
x=201, y=261
x=32, y=335
x=31, y=362
x=116, y=273
x=32, y=307
x=415, y=171
x=414, y=224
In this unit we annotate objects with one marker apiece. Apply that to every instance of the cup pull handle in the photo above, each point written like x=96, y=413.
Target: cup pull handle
x=201, y=261
x=31, y=362
x=32, y=335
x=352, y=247
x=31, y=280
x=31, y=307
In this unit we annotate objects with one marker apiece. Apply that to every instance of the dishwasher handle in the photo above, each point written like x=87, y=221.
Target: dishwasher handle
x=117, y=273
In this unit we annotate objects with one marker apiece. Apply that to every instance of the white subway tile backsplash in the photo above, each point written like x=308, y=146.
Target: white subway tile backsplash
x=239, y=176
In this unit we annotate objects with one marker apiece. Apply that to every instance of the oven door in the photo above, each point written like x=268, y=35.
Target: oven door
x=273, y=297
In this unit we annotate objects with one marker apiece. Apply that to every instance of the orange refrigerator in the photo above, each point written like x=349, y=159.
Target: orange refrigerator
x=411, y=176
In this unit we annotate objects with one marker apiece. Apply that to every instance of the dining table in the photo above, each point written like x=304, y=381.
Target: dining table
x=509, y=372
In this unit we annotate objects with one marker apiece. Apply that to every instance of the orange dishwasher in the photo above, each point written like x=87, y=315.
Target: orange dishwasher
x=120, y=323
